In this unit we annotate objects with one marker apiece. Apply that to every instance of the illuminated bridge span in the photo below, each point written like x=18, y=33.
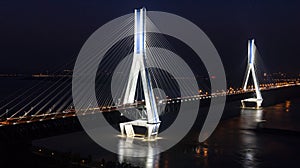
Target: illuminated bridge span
x=23, y=119
x=51, y=100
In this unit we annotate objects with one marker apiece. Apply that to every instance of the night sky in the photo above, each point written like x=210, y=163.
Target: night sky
x=39, y=36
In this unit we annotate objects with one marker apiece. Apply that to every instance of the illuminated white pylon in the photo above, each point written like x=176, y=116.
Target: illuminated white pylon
x=251, y=69
x=139, y=66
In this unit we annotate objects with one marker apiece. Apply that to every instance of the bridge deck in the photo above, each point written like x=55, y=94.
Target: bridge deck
x=71, y=113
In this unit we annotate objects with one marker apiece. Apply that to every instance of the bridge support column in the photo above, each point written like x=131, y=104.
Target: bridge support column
x=139, y=67
x=251, y=69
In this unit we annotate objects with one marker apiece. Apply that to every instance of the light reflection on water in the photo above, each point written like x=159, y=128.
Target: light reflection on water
x=250, y=117
x=233, y=143
x=126, y=148
x=212, y=148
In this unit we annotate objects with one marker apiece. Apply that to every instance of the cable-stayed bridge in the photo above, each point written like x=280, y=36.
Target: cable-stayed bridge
x=137, y=96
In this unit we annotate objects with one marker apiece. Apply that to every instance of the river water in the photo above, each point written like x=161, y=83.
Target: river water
x=234, y=143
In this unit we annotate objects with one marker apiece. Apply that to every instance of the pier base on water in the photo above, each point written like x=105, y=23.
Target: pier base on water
x=258, y=103
x=127, y=128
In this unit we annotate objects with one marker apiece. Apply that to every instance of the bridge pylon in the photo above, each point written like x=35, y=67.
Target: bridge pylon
x=251, y=70
x=139, y=66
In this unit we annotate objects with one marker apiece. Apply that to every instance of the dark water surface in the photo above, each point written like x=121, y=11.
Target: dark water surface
x=233, y=144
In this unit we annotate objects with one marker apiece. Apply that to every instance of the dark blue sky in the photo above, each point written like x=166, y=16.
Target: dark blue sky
x=36, y=36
